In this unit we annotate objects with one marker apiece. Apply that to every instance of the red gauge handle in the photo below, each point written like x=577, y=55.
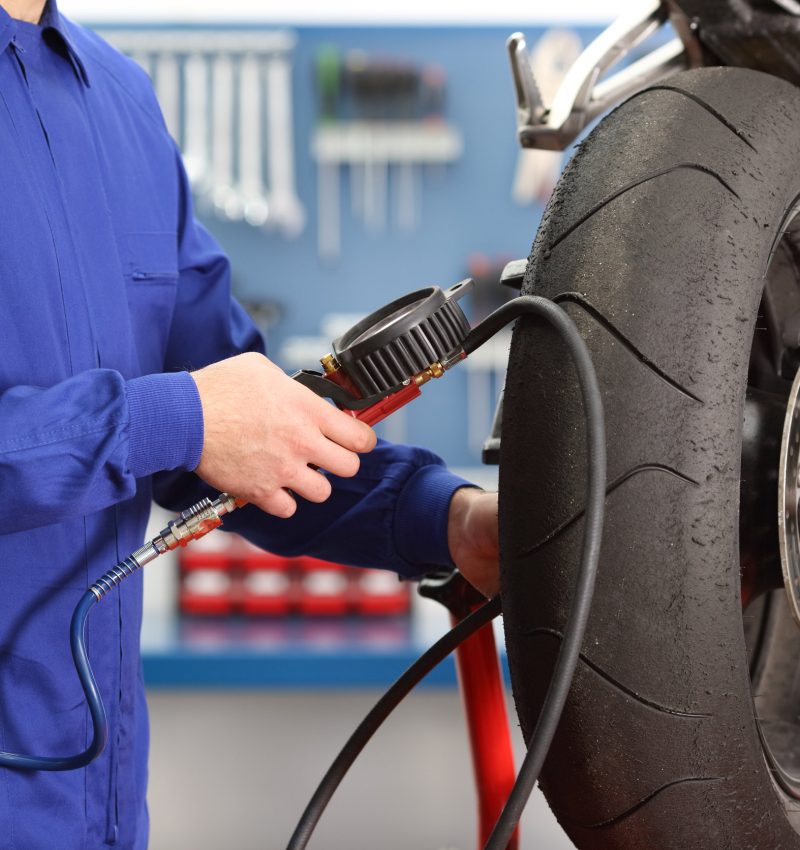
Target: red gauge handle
x=381, y=409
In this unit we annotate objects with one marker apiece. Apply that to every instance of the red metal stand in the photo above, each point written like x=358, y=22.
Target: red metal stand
x=482, y=692
x=481, y=685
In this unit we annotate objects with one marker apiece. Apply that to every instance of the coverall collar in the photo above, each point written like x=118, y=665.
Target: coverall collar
x=51, y=22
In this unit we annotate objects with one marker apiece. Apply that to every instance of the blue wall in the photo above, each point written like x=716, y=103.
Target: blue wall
x=466, y=208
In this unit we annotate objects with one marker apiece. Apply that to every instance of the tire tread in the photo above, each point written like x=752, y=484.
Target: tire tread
x=660, y=267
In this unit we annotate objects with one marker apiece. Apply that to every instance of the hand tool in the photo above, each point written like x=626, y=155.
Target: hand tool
x=168, y=91
x=195, y=121
x=287, y=211
x=226, y=201
x=251, y=142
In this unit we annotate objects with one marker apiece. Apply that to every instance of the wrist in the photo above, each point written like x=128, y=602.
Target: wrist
x=422, y=518
x=458, y=520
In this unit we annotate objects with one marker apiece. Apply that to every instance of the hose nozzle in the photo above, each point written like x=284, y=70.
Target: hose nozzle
x=195, y=522
x=192, y=524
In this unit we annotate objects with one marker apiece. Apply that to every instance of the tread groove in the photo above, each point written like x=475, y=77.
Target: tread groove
x=659, y=781
x=588, y=307
x=617, y=482
x=703, y=105
x=695, y=166
x=642, y=803
x=656, y=706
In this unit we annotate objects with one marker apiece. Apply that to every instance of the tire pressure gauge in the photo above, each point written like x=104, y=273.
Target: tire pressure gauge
x=402, y=339
x=380, y=364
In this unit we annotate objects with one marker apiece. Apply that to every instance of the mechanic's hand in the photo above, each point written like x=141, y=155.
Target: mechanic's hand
x=473, y=538
x=263, y=429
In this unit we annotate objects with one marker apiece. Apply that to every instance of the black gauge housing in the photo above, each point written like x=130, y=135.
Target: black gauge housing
x=403, y=338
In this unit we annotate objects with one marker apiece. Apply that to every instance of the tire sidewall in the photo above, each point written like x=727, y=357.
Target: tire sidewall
x=656, y=243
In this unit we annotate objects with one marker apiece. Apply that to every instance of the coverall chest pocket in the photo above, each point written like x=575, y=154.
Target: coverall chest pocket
x=150, y=268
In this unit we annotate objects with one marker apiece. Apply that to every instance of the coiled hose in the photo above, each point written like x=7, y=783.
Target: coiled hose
x=193, y=523
x=77, y=642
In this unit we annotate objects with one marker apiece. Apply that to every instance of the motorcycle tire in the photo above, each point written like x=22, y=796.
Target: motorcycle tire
x=657, y=242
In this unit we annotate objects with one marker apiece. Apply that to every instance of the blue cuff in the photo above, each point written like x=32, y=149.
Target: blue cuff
x=421, y=515
x=166, y=423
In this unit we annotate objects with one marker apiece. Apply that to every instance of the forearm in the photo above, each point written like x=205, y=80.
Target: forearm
x=79, y=446
x=393, y=514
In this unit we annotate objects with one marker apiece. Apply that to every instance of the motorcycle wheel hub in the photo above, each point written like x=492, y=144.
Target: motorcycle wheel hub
x=789, y=500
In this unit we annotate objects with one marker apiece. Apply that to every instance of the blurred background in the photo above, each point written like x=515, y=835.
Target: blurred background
x=343, y=154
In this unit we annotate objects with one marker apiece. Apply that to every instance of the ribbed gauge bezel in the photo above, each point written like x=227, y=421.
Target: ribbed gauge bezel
x=401, y=339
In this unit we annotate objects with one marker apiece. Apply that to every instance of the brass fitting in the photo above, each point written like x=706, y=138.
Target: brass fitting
x=329, y=363
x=435, y=370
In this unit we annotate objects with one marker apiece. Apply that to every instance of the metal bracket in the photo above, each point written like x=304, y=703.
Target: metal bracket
x=514, y=273
x=790, y=6
x=491, y=448
x=581, y=98
x=452, y=590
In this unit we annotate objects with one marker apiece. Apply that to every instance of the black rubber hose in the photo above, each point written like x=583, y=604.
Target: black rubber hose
x=381, y=710
x=579, y=614
x=592, y=534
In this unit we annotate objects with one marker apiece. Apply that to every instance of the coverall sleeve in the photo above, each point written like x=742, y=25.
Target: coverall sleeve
x=392, y=515
x=79, y=446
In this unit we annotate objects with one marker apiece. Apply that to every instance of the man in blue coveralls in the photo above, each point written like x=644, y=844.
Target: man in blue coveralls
x=126, y=367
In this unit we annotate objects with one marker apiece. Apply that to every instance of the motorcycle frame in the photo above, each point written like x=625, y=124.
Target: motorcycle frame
x=763, y=35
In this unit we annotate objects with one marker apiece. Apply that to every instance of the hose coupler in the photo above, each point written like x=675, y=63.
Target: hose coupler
x=193, y=523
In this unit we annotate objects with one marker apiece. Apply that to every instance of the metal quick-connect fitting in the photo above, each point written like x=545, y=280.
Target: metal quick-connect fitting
x=193, y=523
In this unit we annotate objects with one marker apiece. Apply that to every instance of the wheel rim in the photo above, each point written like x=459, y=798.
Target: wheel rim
x=770, y=538
x=788, y=494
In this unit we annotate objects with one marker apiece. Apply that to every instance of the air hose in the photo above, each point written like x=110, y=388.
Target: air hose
x=77, y=642
x=207, y=515
x=574, y=631
x=192, y=524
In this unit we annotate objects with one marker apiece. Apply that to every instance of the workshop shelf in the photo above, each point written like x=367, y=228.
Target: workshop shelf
x=292, y=653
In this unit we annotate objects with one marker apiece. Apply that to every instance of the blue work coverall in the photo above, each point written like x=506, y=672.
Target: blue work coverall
x=110, y=292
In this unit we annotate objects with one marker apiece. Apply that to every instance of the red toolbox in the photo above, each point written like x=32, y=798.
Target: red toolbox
x=268, y=584
x=324, y=588
x=380, y=593
x=207, y=577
